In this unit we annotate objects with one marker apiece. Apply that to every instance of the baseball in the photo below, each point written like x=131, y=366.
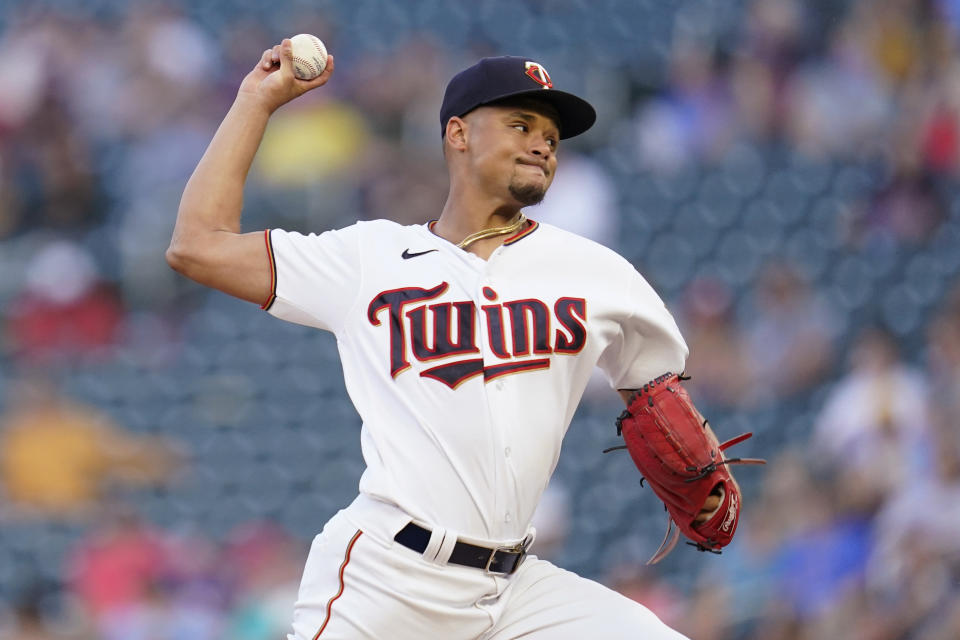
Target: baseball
x=309, y=56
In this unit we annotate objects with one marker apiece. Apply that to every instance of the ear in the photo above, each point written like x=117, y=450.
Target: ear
x=456, y=133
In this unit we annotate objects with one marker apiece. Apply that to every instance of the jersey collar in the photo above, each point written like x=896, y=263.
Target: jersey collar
x=519, y=235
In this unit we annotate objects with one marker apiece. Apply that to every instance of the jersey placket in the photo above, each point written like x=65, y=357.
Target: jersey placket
x=500, y=409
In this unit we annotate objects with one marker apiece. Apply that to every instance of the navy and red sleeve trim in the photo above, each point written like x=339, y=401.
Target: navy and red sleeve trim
x=273, y=272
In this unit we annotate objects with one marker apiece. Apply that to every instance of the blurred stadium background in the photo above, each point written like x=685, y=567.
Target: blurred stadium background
x=783, y=171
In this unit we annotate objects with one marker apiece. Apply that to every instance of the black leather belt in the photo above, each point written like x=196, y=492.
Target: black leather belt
x=504, y=560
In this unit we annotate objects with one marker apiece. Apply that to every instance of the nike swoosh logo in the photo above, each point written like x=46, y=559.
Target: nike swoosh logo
x=406, y=255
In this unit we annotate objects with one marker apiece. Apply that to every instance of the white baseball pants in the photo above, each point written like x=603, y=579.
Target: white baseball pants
x=360, y=584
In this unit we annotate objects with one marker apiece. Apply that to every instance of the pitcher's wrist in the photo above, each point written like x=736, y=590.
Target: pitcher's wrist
x=253, y=103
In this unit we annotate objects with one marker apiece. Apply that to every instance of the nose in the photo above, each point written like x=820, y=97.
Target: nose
x=540, y=147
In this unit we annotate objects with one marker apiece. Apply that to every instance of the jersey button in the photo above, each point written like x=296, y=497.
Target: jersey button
x=506, y=452
x=499, y=385
x=507, y=518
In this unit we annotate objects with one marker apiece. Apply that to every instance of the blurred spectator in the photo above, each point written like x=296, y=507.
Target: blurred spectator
x=707, y=614
x=42, y=612
x=48, y=163
x=692, y=119
x=876, y=420
x=196, y=579
x=59, y=458
x=790, y=333
x=718, y=364
x=774, y=32
x=930, y=104
x=744, y=575
x=51, y=167
x=907, y=209
x=168, y=62
x=312, y=162
x=63, y=309
x=117, y=564
x=754, y=92
x=160, y=614
x=820, y=552
x=402, y=98
x=943, y=362
x=312, y=142
x=915, y=567
x=893, y=35
x=818, y=95
x=178, y=597
x=411, y=186
x=939, y=135
x=266, y=564
x=25, y=78
x=762, y=67
x=125, y=574
x=241, y=32
x=582, y=199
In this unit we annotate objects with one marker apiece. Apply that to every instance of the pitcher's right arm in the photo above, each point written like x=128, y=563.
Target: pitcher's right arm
x=207, y=244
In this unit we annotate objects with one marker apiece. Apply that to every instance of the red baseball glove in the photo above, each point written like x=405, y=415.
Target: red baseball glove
x=682, y=461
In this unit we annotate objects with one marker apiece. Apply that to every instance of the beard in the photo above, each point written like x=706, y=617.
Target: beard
x=527, y=194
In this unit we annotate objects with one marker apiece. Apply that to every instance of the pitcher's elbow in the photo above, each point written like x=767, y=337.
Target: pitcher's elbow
x=177, y=258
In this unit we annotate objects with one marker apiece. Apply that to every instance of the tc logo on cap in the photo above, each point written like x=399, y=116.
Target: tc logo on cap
x=538, y=74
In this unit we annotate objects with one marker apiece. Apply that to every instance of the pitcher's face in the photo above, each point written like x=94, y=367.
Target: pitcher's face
x=514, y=149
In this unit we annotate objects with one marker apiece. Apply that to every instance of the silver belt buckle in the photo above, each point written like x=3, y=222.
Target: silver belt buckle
x=520, y=547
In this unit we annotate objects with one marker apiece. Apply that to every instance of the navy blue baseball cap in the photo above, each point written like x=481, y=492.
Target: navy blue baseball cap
x=494, y=79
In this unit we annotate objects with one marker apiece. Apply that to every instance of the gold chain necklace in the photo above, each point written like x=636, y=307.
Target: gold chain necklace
x=494, y=231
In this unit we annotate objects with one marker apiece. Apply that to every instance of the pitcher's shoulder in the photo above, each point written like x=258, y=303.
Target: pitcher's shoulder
x=385, y=229
x=569, y=246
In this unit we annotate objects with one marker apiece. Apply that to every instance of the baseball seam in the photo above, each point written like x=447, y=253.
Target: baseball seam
x=306, y=63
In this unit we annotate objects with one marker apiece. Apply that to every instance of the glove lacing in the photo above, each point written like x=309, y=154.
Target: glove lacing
x=672, y=535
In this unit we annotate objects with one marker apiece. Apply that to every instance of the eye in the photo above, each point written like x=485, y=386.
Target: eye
x=552, y=142
x=521, y=127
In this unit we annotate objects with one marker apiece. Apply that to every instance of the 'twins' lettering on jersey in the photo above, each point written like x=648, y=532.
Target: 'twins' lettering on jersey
x=527, y=321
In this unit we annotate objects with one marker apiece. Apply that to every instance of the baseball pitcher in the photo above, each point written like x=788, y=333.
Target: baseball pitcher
x=466, y=345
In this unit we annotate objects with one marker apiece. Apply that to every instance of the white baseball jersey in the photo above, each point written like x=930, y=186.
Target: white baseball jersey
x=467, y=372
